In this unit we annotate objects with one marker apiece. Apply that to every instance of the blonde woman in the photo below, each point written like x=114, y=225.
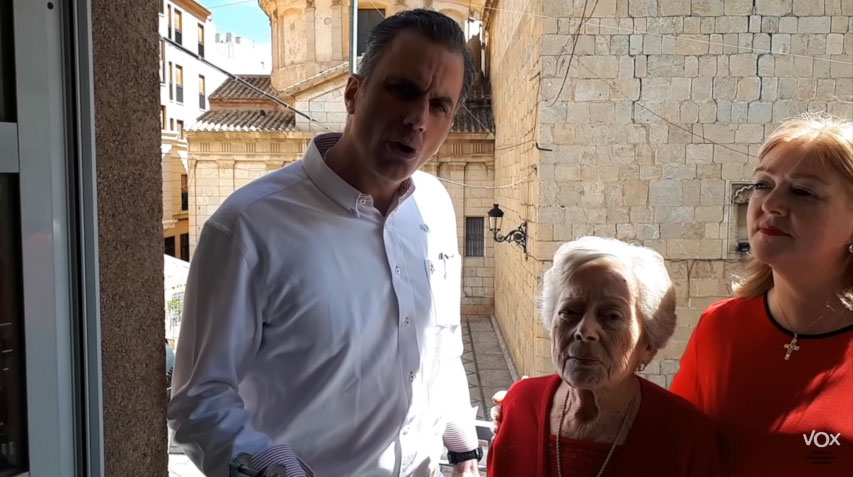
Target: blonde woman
x=773, y=367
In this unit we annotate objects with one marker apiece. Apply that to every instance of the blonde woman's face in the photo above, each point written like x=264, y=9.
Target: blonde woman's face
x=800, y=213
x=595, y=332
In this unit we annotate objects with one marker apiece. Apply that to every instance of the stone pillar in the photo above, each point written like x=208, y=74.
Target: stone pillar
x=130, y=235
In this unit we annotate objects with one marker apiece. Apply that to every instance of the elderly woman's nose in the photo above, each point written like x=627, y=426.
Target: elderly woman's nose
x=587, y=329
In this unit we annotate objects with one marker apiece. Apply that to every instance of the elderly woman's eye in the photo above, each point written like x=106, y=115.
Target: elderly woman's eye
x=568, y=312
x=613, y=316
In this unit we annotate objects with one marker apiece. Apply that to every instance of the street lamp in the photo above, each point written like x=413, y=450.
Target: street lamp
x=517, y=236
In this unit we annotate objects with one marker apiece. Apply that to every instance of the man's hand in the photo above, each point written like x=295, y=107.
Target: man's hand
x=466, y=469
x=495, y=411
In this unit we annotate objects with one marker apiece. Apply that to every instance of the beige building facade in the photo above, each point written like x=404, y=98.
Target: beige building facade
x=649, y=135
x=186, y=42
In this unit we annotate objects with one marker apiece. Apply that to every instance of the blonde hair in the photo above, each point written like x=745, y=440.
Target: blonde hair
x=830, y=141
x=655, y=293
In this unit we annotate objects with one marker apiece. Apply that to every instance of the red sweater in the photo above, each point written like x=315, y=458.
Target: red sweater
x=668, y=438
x=767, y=408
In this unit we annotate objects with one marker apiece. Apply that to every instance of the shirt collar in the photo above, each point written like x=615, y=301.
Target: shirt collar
x=337, y=189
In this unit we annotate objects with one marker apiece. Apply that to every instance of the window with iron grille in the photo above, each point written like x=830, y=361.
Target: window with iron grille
x=185, y=196
x=169, y=246
x=179, y=27
x=202, y=90
x=474, y=238
x=201, y=40
x=185, y=247
x=179, y=84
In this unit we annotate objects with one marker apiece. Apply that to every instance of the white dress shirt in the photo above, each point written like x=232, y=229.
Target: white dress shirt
x=313, y=321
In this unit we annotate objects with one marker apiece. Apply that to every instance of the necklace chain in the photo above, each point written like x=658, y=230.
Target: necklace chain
x=619, y=435
x=792, y=346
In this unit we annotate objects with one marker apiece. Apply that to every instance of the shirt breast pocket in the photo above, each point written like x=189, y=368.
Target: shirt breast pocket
x=444, y=274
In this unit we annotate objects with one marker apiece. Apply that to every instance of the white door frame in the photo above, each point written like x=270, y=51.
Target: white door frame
x=55, y=142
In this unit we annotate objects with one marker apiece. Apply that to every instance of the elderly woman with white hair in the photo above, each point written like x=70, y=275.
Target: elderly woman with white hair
x=609, y=307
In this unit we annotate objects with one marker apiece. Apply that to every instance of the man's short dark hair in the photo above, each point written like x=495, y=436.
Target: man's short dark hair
x=436, y=27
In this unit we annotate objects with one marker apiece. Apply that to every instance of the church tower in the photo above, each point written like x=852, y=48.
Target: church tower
x=312, y=36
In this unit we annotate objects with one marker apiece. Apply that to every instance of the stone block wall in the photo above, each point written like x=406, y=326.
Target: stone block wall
x=656, y=122
x=325, y=105
x=514, y=48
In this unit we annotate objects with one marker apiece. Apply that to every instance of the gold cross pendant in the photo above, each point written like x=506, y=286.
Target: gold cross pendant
x=791, y=347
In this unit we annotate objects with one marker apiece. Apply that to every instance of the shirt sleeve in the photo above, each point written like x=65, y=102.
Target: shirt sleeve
x=220, y=335
x=461, y=433
x=686, y=381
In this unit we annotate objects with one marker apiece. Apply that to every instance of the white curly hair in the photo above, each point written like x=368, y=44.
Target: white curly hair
x=655, y=292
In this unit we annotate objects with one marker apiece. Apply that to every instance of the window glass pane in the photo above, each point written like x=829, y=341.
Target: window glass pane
x=185, y=247
x=367, y=19
x=474, y=246
x=13, y=432
x=7, y=64
x=169, y=246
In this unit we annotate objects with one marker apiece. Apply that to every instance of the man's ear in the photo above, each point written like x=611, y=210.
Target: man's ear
x=351, y=92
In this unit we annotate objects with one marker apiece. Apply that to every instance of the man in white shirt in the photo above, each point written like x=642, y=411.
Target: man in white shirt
x=321, y=318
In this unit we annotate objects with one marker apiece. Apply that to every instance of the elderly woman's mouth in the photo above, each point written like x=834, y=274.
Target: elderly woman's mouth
x=585, y=360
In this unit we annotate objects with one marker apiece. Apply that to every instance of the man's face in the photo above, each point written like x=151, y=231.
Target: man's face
x=401, y=115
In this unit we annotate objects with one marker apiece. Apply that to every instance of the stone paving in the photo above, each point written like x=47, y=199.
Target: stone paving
x=486, y=363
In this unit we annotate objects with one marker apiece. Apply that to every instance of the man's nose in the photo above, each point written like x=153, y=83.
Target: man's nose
x=418, y=114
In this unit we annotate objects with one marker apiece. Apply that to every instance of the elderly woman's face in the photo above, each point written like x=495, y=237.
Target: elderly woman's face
x=595, y=332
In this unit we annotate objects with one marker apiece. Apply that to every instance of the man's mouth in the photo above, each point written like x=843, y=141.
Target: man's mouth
x=402, y=148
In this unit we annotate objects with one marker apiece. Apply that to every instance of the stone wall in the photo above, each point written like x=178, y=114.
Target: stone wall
x=310, y=36
x=220, y=163
x=658, y=121
x=514, y=44
x=325, y=104
x=130, y=237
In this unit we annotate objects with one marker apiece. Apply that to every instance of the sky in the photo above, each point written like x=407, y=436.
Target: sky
x=242, y=17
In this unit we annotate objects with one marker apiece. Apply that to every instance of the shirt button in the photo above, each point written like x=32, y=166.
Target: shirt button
x=411, y=376
x=405, y=430
x=397, y=269
x=407, y=321
x=352, y=211
x=362, y=201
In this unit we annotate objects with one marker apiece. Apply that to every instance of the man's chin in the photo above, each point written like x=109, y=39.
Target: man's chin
x=398, y=170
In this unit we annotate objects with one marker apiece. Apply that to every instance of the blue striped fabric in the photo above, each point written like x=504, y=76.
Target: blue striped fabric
x=281, y=455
